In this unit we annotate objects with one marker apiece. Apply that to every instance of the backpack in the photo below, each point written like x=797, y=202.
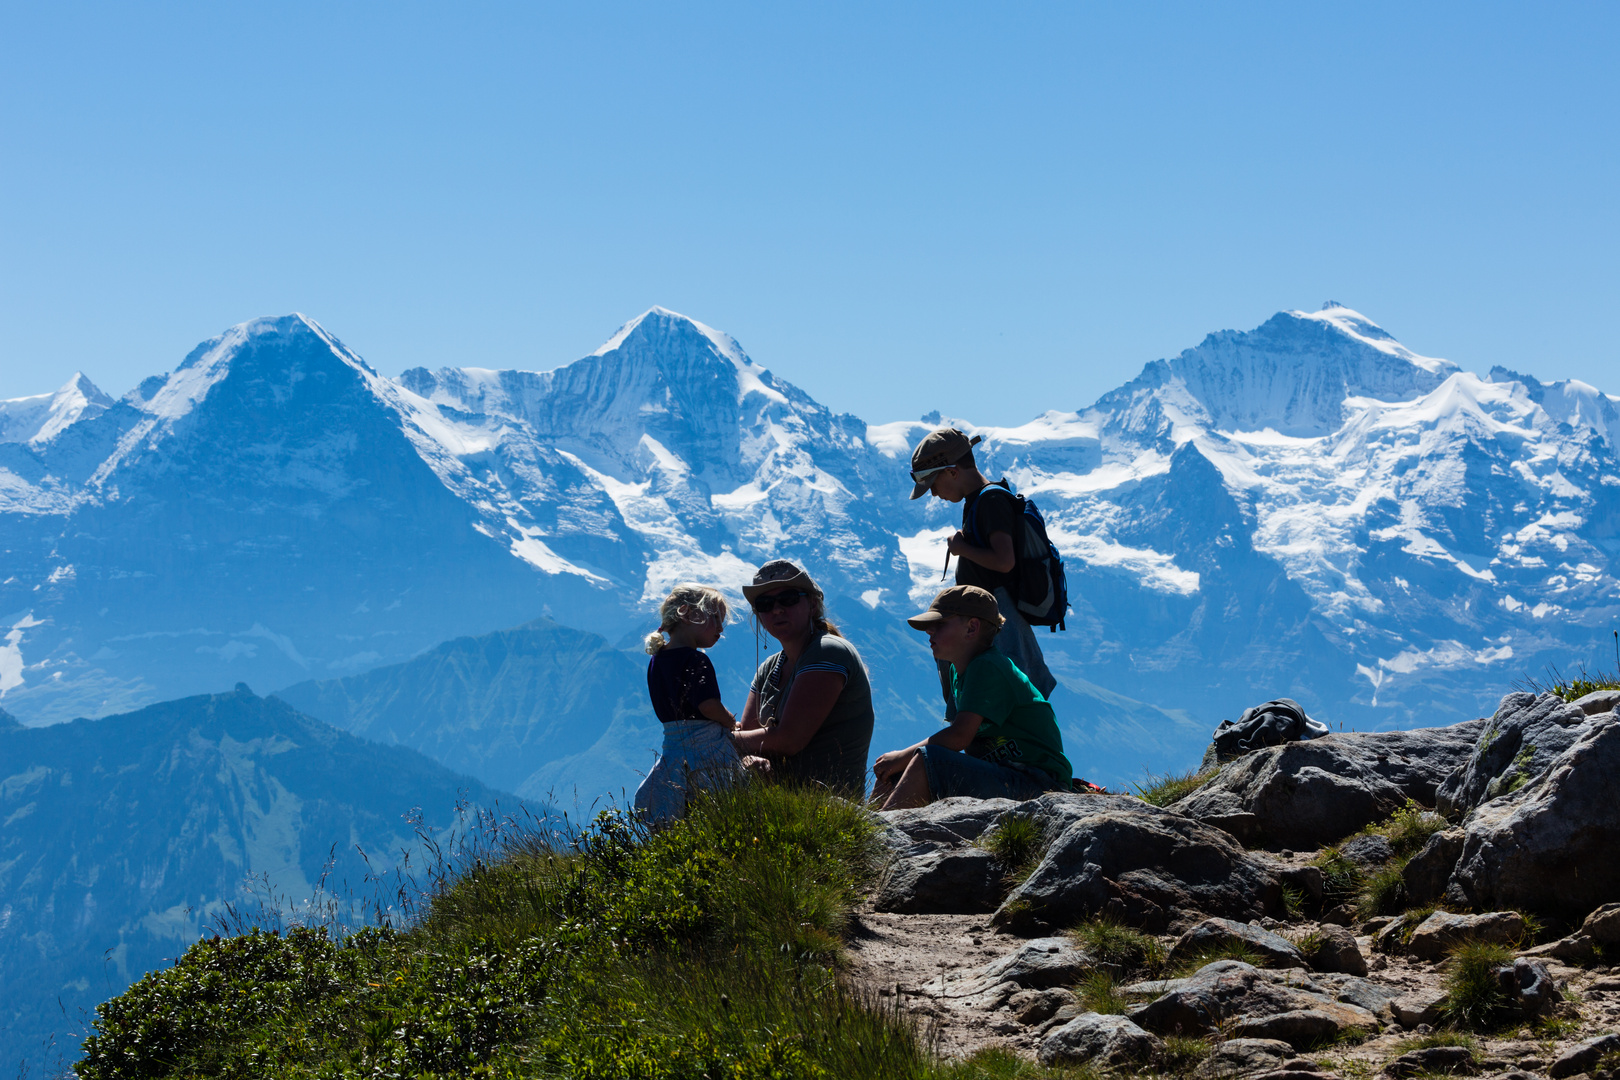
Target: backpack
x=1041, y=591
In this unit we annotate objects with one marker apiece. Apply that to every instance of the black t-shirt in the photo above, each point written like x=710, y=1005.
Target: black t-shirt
x=992, y=510
x=836, y=754
x=679, y=680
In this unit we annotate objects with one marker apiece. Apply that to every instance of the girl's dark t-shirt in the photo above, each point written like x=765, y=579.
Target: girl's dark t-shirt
x=679, y=680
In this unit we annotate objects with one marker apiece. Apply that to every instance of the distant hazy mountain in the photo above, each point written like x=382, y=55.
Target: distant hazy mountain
x=122, y=840
x=1306, y=509
x=560, y=716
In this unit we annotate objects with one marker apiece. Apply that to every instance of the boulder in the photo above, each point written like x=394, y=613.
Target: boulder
x=1376, y=998
x=1368, y=852
x=1518, y=743
x=1215, y=934
x=1600, y=930
x=930, y=879
x=1139, y=863
x=1583, y=1056
x=1528, y=987
x=1427, y=873
x=1032, y=1007
x=1599, y=701
x=1307, y=794
x=1243, y=1057
x=1431, y=1060
x=1236, y=997
x=1336, y=950
x=1035, y=965
x=1420, y=1007
x=1436, y=935
x=1098, y=1039
x=1549, y=845
x=948, y=821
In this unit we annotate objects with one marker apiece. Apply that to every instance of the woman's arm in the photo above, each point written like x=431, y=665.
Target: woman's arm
x=750, y=713
x=812, y=698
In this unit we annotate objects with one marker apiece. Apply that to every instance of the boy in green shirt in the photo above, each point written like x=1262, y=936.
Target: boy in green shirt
x=1002, y=742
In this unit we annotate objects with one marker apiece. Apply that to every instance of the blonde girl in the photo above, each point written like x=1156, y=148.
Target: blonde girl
x=685, y=695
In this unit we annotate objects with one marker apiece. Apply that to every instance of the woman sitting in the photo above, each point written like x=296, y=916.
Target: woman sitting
x=1004, y=741
x=809, y=710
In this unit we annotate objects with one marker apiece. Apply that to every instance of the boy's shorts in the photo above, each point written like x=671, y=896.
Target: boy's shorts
x=952, y=772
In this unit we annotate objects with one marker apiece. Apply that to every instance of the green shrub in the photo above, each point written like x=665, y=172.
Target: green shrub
x=1383, y=892
x=1342, y=878
x=1164, y=789
x=1110, y=942
x=1408, y=829
x=1474, y=999
x=1018, y=843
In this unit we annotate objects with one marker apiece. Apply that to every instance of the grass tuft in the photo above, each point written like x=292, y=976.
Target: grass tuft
x=1474, y=999
x=1166, y=788
x=1383, y=892
x=1342, y=878
x=1099, y=993
x=1018, y=843
x=1443, y=1037
x=1570, y=688
x=1183, y=1053
x=1116, y=945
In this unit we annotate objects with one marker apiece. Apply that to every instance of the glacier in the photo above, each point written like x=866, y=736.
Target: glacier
x=1305, y=509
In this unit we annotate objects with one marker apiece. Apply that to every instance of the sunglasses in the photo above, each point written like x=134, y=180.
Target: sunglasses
x=919, y=475
x=788, y=599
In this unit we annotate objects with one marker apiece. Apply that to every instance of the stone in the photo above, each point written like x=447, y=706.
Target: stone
x=1034, y=965
x=1528, y=987
x=929, y=879
x=1214, y=934
x=1377, y=998
x=1230, y=995
x=1391, y=938
x=1098, y=1039
x=1306, y=794
x=1440, y=932
x=1138, y=863
x=1583, y=1056
x=1033, y=1007
x=1337, y=951
x=1426, y=874
x=1549, y=845
x=1430, y=1060
x=1242, y=1058
x=1369, y=852
x=1599, y=701
x=1601, y=929
x=1520, y=741
x=951, y=821
x=1297, y=1027
x=1419, y=1007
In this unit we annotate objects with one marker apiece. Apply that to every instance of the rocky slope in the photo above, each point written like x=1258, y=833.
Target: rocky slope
x=1258, y=949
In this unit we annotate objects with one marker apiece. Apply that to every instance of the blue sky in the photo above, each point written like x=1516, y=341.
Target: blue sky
x=984, y=209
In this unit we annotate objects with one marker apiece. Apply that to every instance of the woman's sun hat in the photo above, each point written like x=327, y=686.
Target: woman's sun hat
x=969, y=601
x=778, y=574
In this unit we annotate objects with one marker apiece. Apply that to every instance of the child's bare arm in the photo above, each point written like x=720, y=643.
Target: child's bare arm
x=715, y=711
x=999, y=556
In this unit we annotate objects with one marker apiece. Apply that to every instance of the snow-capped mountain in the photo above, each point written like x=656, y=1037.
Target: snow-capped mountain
x=1306, y=509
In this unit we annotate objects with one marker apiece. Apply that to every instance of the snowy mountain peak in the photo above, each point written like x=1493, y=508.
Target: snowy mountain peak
x=659, y=322
x=41, y=417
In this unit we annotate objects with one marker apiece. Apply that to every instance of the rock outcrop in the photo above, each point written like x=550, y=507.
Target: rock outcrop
x=1524, y=737
x=1246, y=1002
x=1549, y=845
x=1306, y=794
x=1139, y=863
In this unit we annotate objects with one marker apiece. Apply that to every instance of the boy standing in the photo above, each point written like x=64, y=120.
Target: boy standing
x=985, y=545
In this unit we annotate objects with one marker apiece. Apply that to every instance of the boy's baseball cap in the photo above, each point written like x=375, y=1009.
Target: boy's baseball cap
x=940, y=450
x=969, y=601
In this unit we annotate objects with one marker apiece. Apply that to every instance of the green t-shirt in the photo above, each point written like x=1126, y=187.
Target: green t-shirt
x=1019, y=725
